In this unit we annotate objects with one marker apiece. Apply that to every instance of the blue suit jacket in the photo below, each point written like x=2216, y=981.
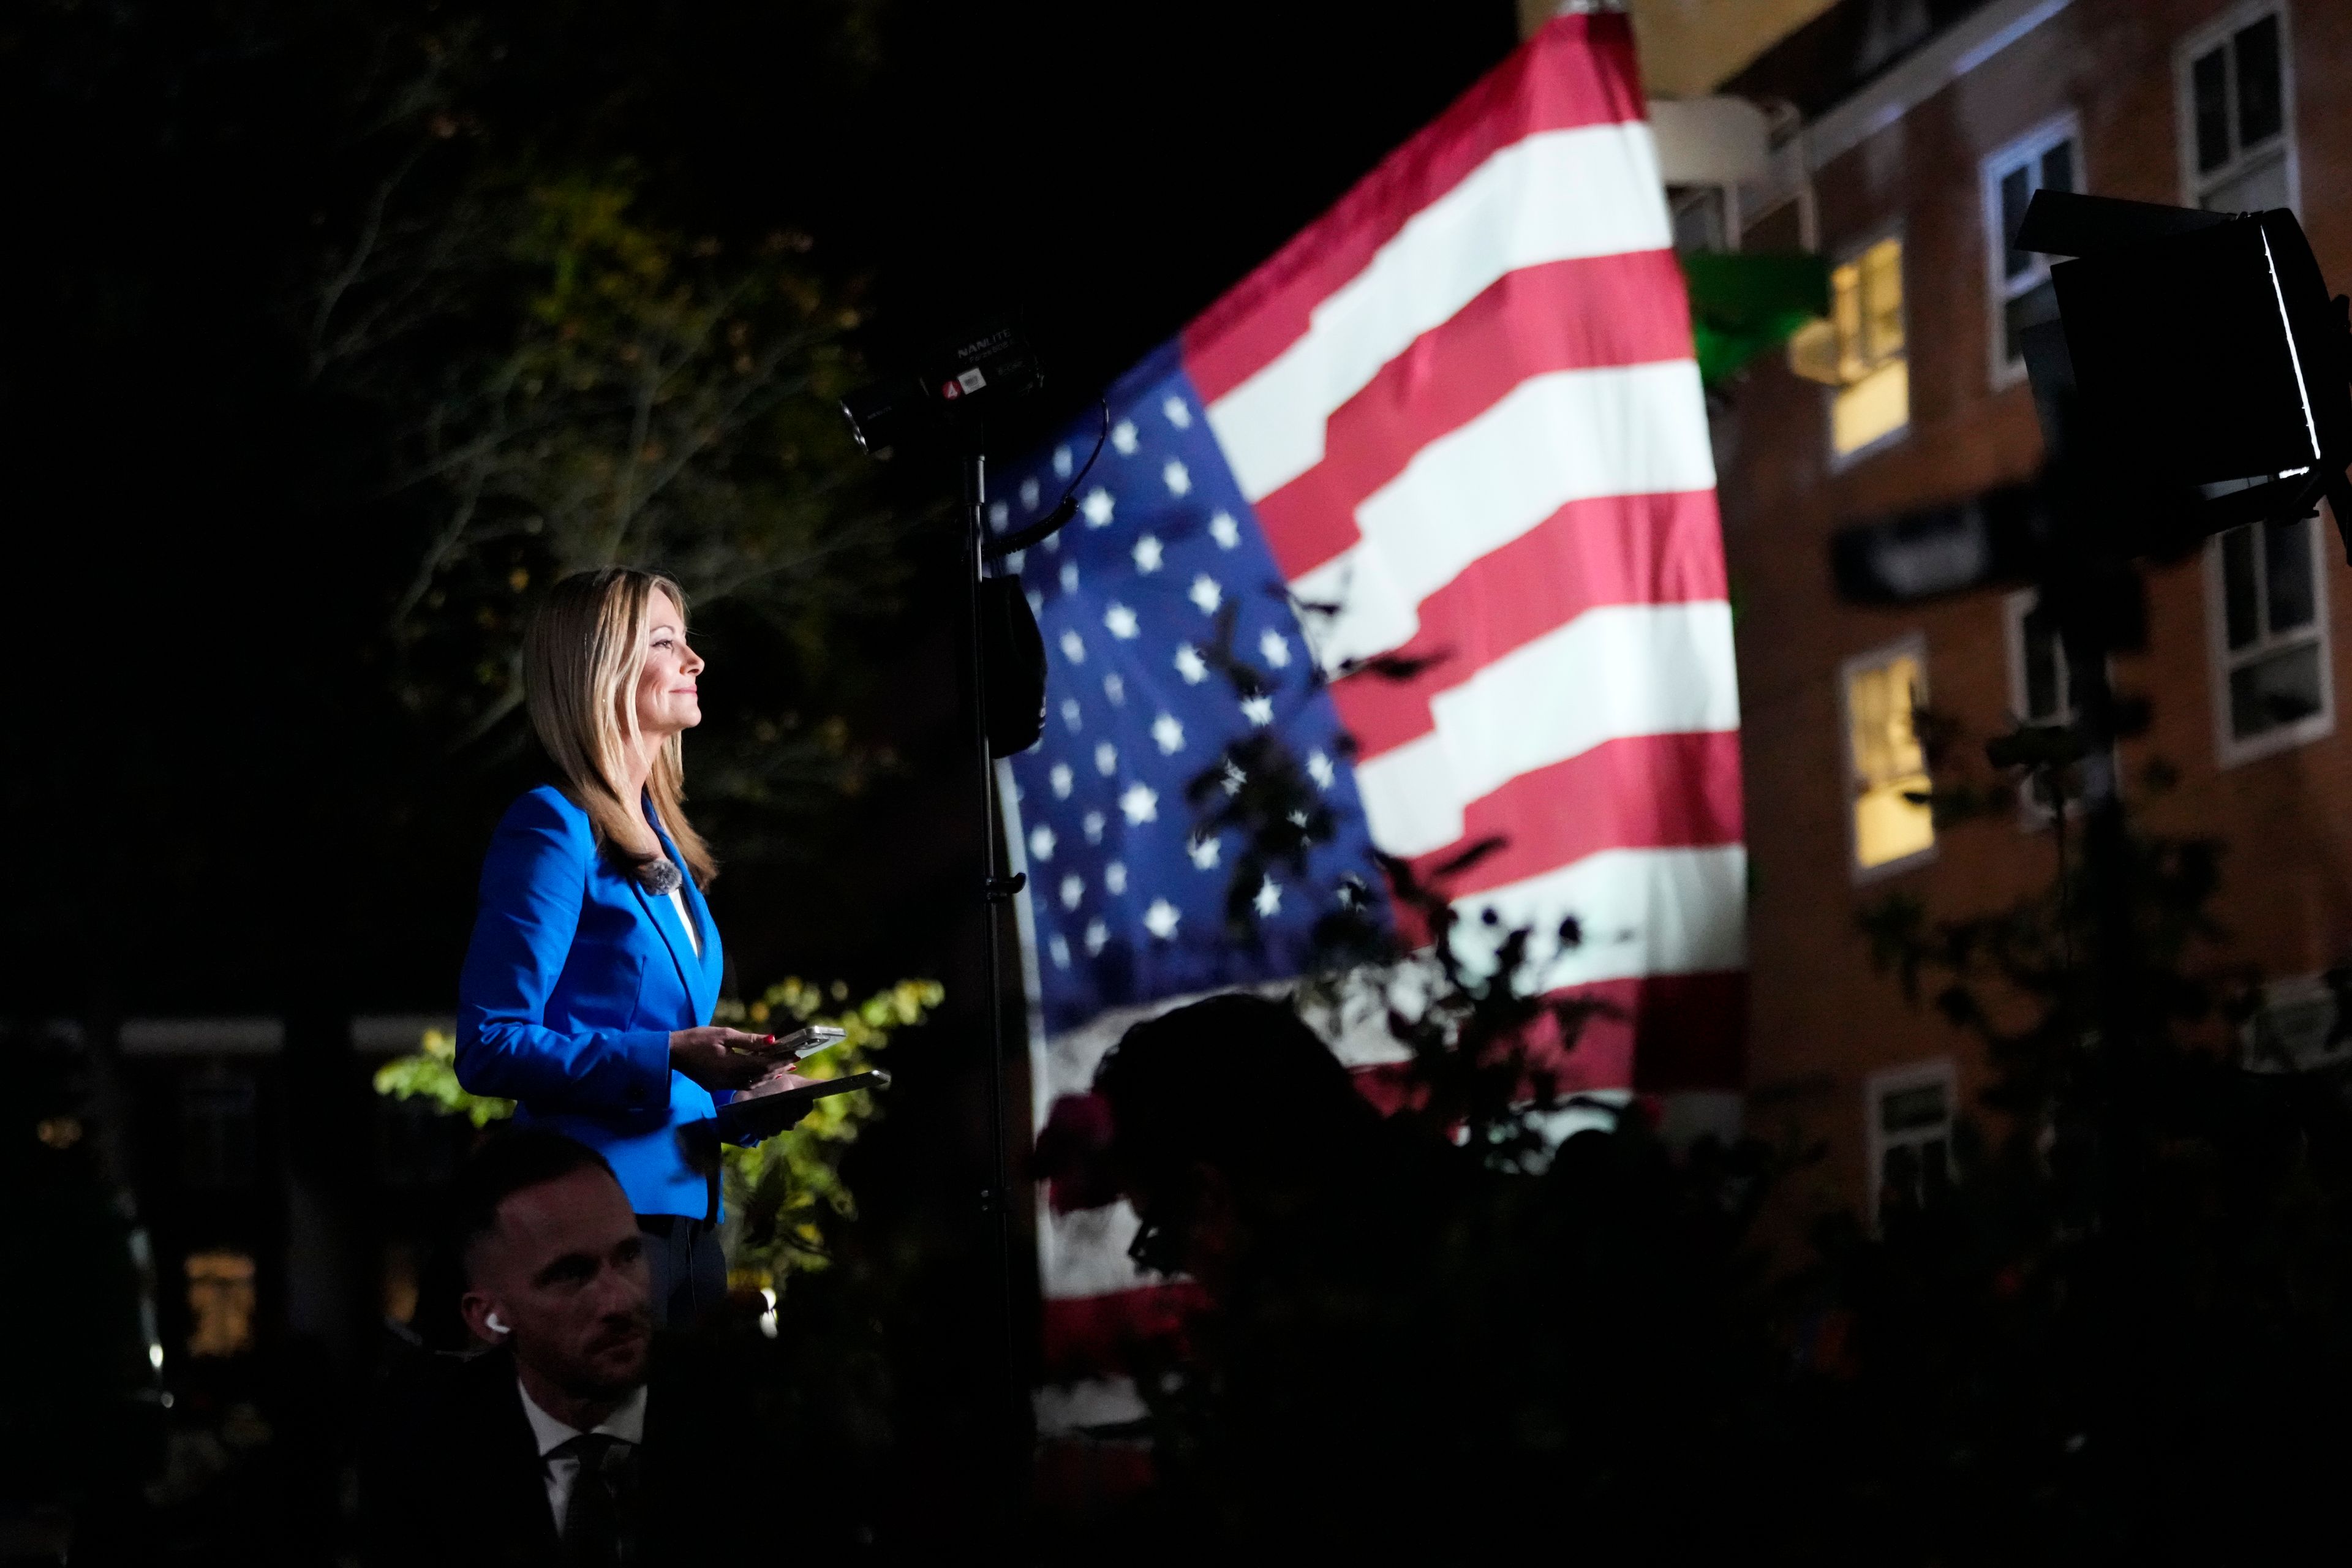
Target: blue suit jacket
x=573, y=981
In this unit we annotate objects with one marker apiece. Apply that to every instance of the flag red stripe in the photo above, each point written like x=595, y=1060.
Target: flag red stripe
x=1618, y=550
x=1562, y=315
x=1578, y=70
x=1645, y=791
x=1093, y=1336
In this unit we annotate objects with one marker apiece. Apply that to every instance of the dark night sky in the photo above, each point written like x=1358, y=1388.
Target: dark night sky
x=191, y=728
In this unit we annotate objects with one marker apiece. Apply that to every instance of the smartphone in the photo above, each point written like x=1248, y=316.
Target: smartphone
x=803, y=1044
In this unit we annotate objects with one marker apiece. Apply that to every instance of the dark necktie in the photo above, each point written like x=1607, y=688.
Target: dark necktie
x=596, y=1518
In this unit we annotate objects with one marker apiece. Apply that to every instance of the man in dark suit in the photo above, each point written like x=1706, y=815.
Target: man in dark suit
x=576, y=1440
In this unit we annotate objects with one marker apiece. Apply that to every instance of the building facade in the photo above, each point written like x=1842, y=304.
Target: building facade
x=1912, y=135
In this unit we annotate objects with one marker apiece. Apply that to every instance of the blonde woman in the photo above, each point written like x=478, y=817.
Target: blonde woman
x=593, y=967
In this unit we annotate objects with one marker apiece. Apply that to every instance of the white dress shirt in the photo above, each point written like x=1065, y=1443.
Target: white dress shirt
x=627, y=1424
x=685, y=918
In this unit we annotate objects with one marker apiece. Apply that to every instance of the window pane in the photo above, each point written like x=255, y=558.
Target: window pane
x=2272, y=692
x=2037, y=304
x=1881, y=295
x=1845, y=311
x=2259, y=101
x=1910, y=1108
x=220, y=1303
x=1876, y=407
x=2238, y=586
x=2058, y=167
x=1891, y=816
x=2208, y=80
x=1935, y=1169
x=2259, y=187
x=216, y=1129
x=2040, y=637
x=2016, y=190
x=2286, y=572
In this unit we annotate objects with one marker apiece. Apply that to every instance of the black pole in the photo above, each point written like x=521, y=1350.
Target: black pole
x=996, y=890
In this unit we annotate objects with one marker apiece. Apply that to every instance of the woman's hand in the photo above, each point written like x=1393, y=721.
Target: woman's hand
x=720, y=1058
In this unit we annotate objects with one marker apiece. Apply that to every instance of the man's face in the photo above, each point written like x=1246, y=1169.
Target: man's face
x=565, y=1273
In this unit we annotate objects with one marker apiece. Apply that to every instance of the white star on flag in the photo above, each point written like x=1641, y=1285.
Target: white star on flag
x=1121, y=620
x=1062, y=463
x=1179, y=478
x=1061, y=778
x=1122, y=438
x=1205, y=594
x=1269, y=901
x=1147, y=555
x=1319, y=769
x=1041, y=842
x=1140, y=803
x=1069, y=576
x=1115, y=878
x=1114, y=689
x=1258, y=709
x=1234, y=777
x=1203, y=852
x=1160, y=919
x=1060, y=950
x=999, y=514
x=1190, y=665
x=1070, y=713
x=1169, y=731
x=1037, y=600
x=1029, y=495
x=1097, y=933
x=1179, y=415
x=1274, y=649
x=1224, y=530
x=1097, y=506
x=1074, y=888
x=1106, y=759
x=1093, y=824
x=1074, y=648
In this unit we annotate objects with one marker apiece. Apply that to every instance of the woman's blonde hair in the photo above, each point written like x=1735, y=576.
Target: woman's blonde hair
x=582, y=658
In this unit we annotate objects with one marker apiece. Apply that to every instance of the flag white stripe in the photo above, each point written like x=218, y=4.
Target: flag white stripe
x=1553, y=197
x=1614, y=672
x=1639, y=913
x=1084, y=1252
x=1568, y=435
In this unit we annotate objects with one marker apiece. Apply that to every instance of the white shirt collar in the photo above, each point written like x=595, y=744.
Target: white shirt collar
x=627, y=1422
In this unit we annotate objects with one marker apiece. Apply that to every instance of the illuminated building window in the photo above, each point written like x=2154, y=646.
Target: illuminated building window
x=2267, y=605
x=1910, y=1111
x=2040, y=686
x=1858, y=351
x=2048, y=159
x=220, y=1303
x=2299, y=1025
x=1888, y=769
x=2237, y=113
x=216, y=1127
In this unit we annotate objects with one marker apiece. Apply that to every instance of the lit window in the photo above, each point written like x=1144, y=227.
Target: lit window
x=2236, y=121
x=2267, y=607
x=1910, y=1112
x=1893, y=822
x=220, y=1303
x=1858, y=351
x=2021, y=295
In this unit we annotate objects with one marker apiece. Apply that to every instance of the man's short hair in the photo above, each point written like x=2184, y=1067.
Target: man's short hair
x=1238, y=1082
x=509, y=1162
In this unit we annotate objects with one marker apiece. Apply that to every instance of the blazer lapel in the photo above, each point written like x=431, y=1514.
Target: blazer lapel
x=697, y=972
x=664, y=916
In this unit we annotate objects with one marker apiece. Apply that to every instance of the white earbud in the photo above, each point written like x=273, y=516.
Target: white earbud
x=496, y=1327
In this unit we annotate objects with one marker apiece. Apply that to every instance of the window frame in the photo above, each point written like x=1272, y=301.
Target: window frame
x=1914, y=644
x=1875, y=1089
x=2229, y=751
x=2000, y=288
x=2220, y=32
x=1852, y=254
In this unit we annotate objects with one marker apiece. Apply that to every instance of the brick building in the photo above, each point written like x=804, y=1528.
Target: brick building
x=1910, y=135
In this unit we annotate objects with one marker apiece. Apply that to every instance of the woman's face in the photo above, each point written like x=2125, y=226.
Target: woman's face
x=666, y=700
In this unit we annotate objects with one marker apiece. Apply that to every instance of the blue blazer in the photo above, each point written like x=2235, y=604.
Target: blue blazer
x=573, y=981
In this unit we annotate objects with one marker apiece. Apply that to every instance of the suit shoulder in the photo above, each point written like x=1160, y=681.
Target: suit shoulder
x=547, y=813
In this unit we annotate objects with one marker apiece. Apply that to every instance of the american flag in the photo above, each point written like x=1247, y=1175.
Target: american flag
x=1456, y=420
